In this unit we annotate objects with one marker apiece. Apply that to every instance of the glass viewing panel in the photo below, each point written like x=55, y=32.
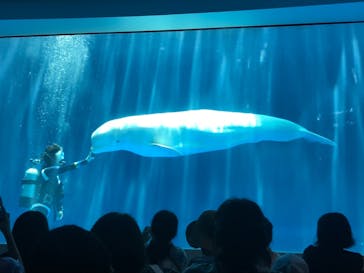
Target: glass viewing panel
x=59, y=89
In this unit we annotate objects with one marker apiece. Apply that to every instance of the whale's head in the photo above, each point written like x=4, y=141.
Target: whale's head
x=121, y=134
x=107, y=138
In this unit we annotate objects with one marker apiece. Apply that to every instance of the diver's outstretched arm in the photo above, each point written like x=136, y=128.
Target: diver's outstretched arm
x=85, y=161
x=77, y=164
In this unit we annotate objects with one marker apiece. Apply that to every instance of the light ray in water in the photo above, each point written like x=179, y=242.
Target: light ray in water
x=127, y=77
x=338, y=103
x=195, y=74
x=65, y=58
x=357, y=70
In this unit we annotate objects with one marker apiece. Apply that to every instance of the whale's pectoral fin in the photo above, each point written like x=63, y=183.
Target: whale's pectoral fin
x=166, y=150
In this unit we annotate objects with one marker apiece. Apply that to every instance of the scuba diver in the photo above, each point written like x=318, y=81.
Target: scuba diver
x=42, y=190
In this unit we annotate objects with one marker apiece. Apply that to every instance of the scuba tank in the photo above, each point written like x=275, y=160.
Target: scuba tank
x=30, y=186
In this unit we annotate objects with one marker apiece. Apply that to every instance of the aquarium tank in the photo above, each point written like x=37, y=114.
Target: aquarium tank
x=61, y=88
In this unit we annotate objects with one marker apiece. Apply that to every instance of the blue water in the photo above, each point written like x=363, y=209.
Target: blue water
x=61, y=88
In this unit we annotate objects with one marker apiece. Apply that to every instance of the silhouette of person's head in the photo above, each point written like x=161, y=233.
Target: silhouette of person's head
x=334, y=231
x=242, y=235
x=164, y=226
x=192, y=235
x=201, y=232
x=70, y=249
x=122, y=236
x=29, y=226
x=28, y=229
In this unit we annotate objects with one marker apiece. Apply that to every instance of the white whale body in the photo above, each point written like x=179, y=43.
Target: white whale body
x=184, y=133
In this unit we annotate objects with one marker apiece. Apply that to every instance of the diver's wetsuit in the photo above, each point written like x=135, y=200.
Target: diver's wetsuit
x=51, y=191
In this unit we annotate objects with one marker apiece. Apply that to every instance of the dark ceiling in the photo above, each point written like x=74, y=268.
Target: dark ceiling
x=33, y=9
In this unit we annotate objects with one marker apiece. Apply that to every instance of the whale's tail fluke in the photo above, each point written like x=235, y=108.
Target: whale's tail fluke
x=310, y=136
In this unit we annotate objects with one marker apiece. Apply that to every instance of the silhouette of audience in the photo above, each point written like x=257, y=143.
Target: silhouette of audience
x=11, y=260
x=160, y=250
x=200, y=234
x=242, y=235
x=334, y=235
x=28, y=229
x=234, y=238
x=290, y=263
x=10, y=265
x=121, y=235
x=70, y=249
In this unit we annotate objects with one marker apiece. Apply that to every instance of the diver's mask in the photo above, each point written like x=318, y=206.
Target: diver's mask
x=59, y=157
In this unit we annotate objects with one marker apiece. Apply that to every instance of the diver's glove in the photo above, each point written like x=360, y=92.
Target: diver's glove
x=90, y=157
x=59, y=215
x=85, y=161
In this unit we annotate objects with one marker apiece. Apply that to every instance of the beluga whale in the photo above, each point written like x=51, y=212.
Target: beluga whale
x=183, y=133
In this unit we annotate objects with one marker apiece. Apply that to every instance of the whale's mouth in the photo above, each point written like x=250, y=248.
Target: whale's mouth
x=102, y=146
x=98, y=150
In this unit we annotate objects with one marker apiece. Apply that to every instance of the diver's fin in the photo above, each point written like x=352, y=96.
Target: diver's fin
x=168, y=149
